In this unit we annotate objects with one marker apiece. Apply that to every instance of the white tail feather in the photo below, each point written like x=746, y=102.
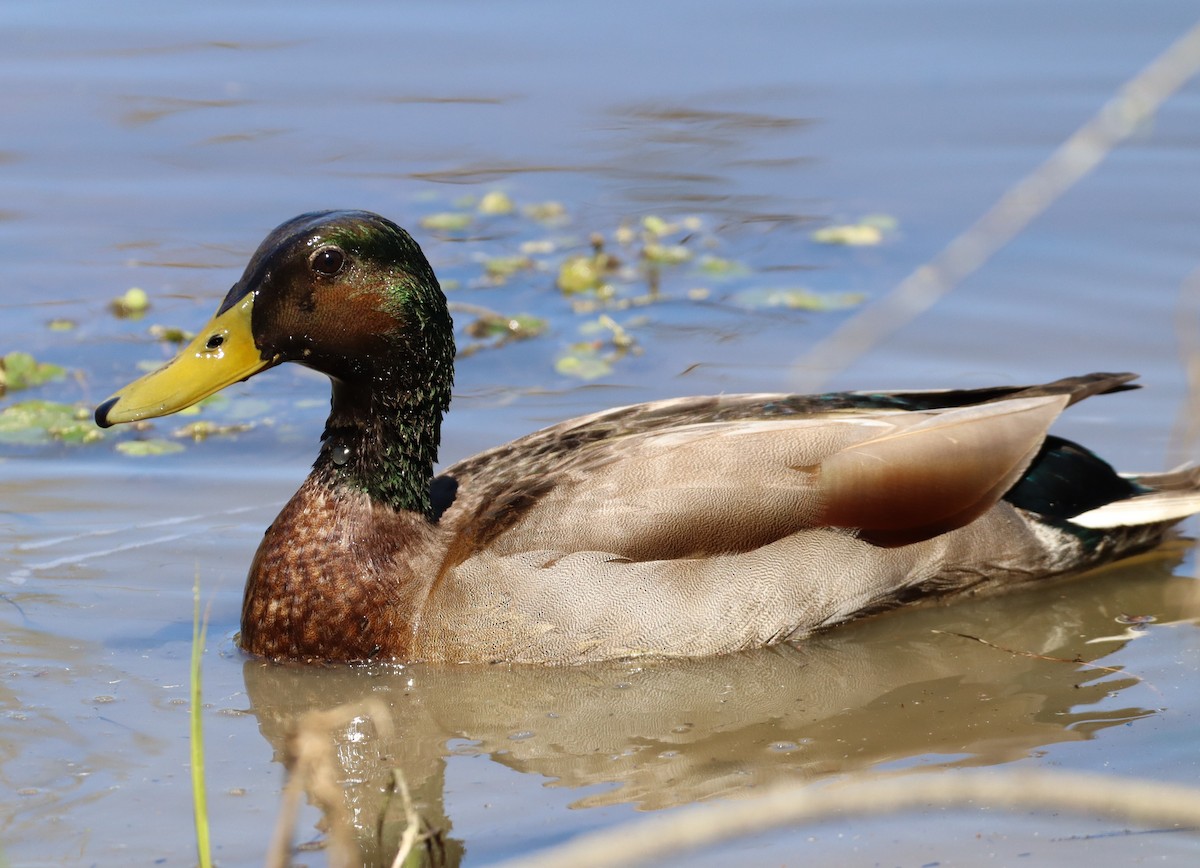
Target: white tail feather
x=1160, y=506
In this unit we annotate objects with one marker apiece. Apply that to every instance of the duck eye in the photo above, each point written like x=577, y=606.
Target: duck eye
x=328, y=261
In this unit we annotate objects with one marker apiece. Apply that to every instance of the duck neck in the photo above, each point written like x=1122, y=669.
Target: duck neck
x=382, y=440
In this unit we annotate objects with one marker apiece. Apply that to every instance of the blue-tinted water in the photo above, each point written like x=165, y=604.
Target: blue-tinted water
x=153, y=147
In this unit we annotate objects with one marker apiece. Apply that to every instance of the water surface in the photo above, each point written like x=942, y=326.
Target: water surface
x=154, y=149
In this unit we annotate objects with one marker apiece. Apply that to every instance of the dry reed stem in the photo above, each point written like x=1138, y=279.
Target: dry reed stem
x=1116, y=120
x=1140, y=802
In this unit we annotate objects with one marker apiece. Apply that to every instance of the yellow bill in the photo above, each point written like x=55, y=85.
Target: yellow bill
x=222, y=353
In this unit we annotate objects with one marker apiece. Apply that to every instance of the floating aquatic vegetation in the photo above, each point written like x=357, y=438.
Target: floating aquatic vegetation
x=585, y=361
x=666, y=254
x=170, y=334
x=34, y=422
x=589, y=273
x=620, y=338
x=519, y=327
x=61, y=324
x=580, y=274
x=501, y=268
x=552, y=213
x=20, y=370
x=492, y=330
x=131, y=304
x=657, y=226
x=590, y=360
x=202, y=429
x=496, y=202
x=867, y=232
x=799, y=299
x=447, y=221
x=143, y=448
x=715, y=266
x=597, y=283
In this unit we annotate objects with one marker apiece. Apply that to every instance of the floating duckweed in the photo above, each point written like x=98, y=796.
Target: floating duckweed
x=142, y=448
x=546, y=212
x=590, y=360
x=447, y=221
x=657, y=226
x=799, y=299
x=20, y=370
x=867, y=232
x=579, y=274
x=170, y=334
x=699, y=293
x=584, y=361
x=666, y=254
x=584, y=273
x=131, y=304
x=492, y=330
x=33, y=422
x=620, y=337
x=519, y=327
x=625, y=235
x=202, y=429
x=719, y=267
x=500, y=268
x=850, y=235
x=61, y=324
x=496, y=202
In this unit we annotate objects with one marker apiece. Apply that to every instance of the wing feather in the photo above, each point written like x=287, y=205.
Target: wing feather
x=722, y=487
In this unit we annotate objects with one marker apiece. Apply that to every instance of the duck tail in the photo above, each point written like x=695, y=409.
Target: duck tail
x=1161, y=499
x=1079, y=388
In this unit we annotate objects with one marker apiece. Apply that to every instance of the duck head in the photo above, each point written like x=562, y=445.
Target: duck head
x=347, y=293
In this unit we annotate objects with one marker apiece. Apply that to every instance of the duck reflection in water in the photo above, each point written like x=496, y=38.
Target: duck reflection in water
x=894, y=695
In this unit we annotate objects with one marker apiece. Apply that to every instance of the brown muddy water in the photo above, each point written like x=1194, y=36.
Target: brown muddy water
x=151, y=146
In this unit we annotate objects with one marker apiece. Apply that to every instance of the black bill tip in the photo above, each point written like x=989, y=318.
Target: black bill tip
x=102, y=413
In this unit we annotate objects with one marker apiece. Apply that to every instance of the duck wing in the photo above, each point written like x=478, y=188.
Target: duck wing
x=704, y=476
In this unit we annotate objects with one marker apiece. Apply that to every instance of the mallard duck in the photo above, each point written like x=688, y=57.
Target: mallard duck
x=684, y=527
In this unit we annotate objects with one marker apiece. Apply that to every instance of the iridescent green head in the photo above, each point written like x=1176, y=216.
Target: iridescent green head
x=347, y=293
